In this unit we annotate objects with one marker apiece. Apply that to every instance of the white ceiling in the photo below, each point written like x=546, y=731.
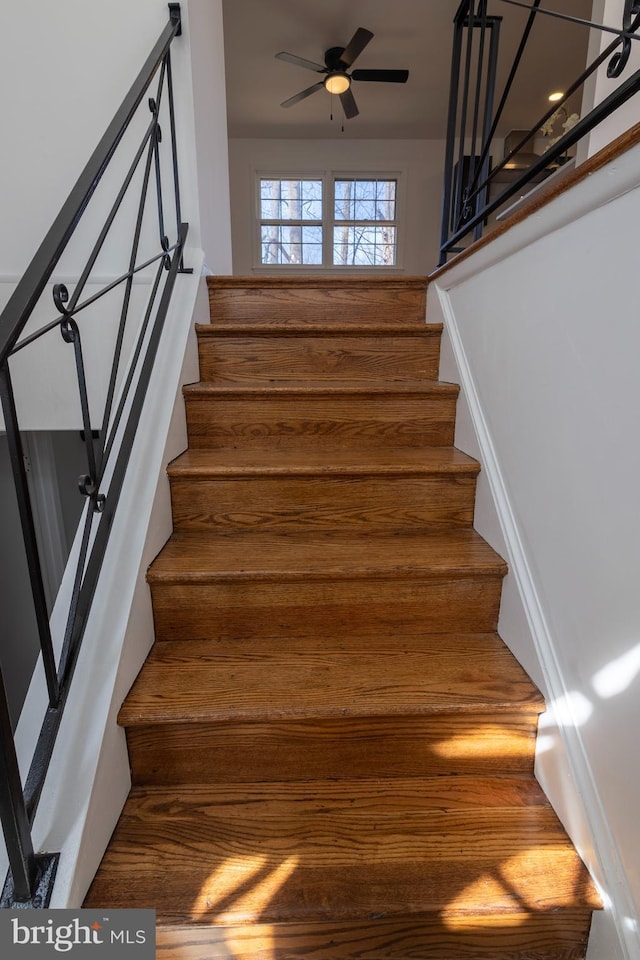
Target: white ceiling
x=413, y=34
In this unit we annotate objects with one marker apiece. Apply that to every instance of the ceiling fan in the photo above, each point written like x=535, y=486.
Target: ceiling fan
x=337, y=60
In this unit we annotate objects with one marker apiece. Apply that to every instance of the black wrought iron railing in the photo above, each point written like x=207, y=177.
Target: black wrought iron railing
x=149, y=195
x=473, y=190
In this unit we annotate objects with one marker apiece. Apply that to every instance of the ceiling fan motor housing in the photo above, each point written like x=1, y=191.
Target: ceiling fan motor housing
x=332, y=59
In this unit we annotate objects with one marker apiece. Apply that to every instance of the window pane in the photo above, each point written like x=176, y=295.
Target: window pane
x=364, y=246
x=291, y=244
x=291, y=199
x=365, y=200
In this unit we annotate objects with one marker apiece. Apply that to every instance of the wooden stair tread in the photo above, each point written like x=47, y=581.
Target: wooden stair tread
x=317, y=388
x=340, y=851
x=209, y=680
x=191, y=556
x=343, y=461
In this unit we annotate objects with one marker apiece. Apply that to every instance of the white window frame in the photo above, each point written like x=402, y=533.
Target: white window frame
x=328, y=178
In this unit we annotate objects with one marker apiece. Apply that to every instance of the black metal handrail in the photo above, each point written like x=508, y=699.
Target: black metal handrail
x=467, y=181
x=31, y=875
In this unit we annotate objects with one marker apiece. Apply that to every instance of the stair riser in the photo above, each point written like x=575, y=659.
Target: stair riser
x=360, y=504
x=358, y=608
x=318, y=358
x=199, y=752
x=345, y=421
x=520, y=936
x=308, y=304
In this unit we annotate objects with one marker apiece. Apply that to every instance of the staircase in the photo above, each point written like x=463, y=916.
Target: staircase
x=331, y=748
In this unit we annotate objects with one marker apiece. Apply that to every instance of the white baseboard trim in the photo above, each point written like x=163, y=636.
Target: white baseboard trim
x=579, y=784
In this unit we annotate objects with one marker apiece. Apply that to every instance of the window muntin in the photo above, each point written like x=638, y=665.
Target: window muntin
x=328, y=221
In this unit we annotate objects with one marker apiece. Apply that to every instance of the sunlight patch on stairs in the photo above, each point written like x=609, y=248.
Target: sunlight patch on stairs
x=235, y=875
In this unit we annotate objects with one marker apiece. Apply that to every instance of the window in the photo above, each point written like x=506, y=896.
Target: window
x=291, y=221
x=364, y=228
x=328, y=221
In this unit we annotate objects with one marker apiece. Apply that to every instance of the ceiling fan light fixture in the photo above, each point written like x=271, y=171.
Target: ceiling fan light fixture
x=337, y=83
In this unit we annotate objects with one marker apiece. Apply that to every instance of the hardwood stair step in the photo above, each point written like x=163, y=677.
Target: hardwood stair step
x=322, y=413
x=306, y=299
x=215, y=585
x=272, y=679
x=385, y=705
x=378, y=489
x=191, y=557
x=455, y=849
x=256, y=355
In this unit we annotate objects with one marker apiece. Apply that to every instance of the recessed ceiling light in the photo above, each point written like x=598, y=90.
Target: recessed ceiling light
x=558, y=95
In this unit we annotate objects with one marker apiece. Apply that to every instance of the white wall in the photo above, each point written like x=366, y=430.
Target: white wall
x=544, y=336
x=420, y=161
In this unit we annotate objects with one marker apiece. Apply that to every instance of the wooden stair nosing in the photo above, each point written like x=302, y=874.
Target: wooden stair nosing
x=358, y=329
x=318, y=281
x=359, y=389
x=341, y=462
x=190, y=557
x=517, y=936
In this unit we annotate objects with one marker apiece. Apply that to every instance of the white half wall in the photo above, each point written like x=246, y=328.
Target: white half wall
x=544, y=338
x=420, y=163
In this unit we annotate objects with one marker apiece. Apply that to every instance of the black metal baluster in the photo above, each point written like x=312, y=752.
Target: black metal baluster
x=484, y=163
x=508, y=85
x=174, y=147
x=154, y=106
x=15, y=823
x=454, y=84
x=110, y=437
x=87, y=483
x=458, y=204
x=481, y=24
x=29, y=533
x=124, y=313
x=174, y=154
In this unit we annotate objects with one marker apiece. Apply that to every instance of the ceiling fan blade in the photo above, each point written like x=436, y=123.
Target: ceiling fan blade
x=302, y=95
x=300, y=62
x=382, y=76
x=349, y=104
x=355, y=46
